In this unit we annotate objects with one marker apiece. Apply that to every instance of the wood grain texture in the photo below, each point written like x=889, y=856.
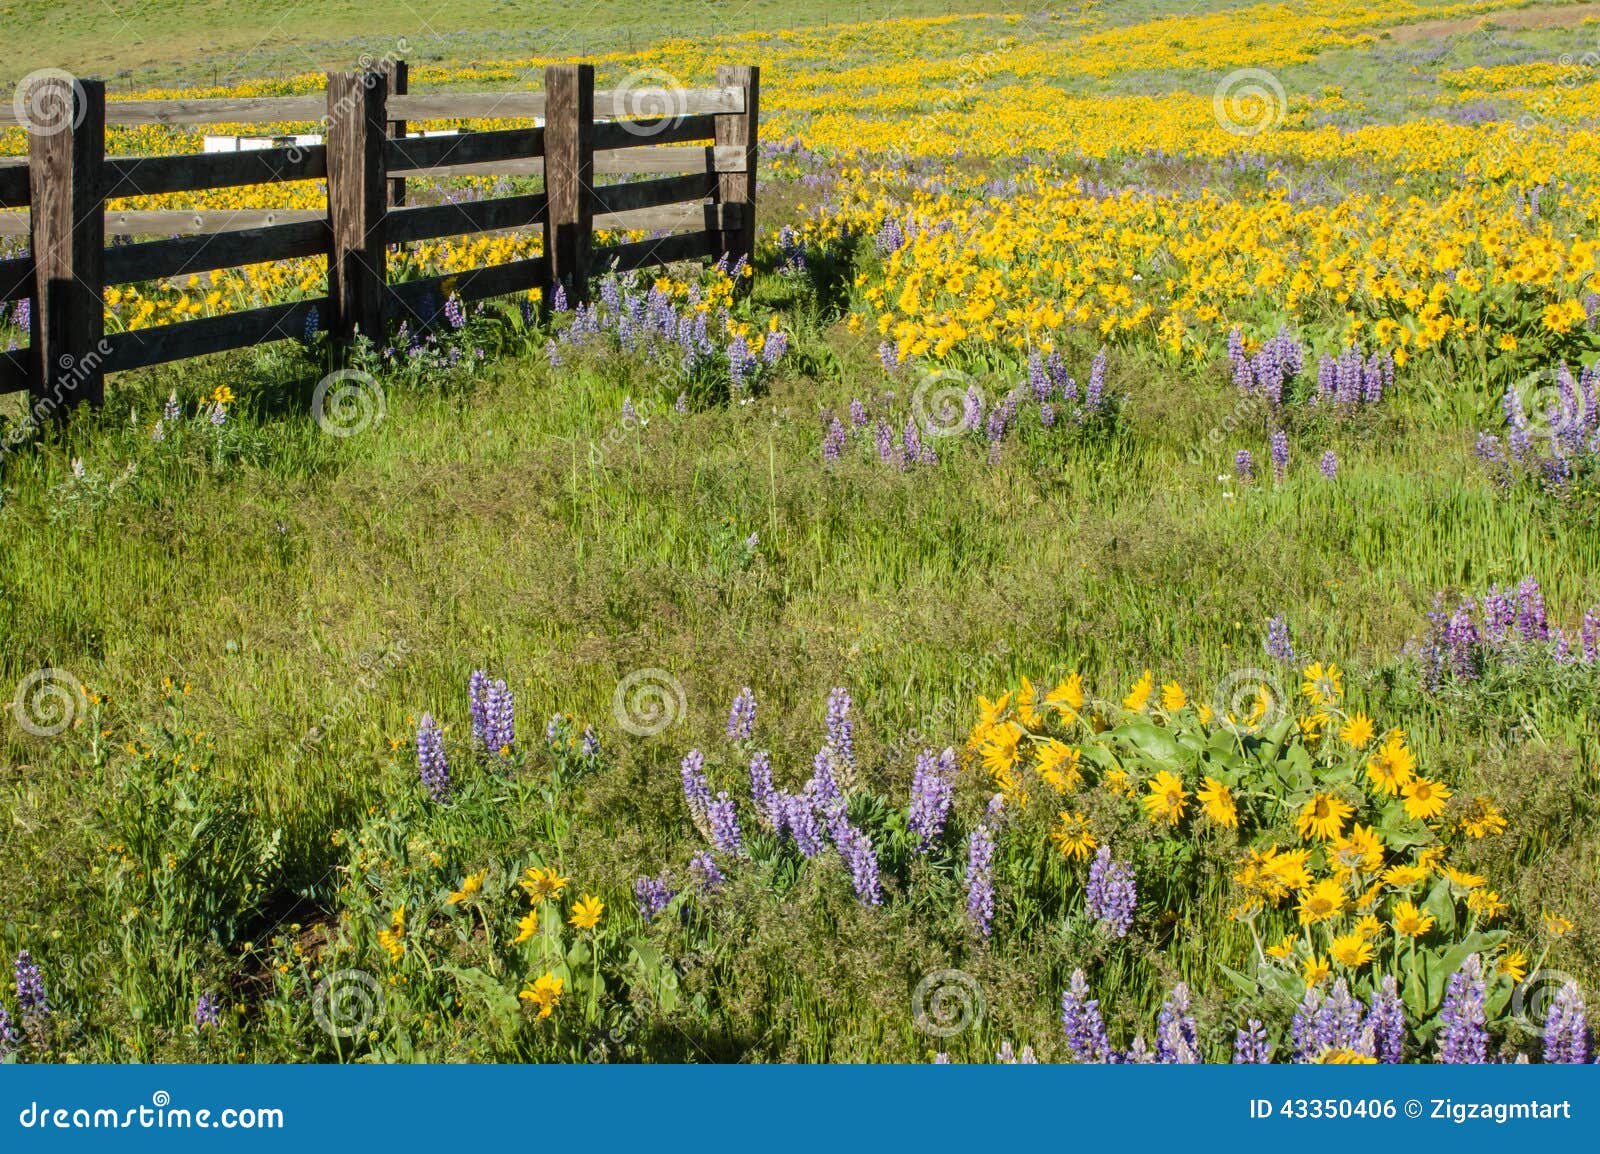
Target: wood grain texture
x=155, y=175
x=740, y=131
x=180, y=256
x=471, y=216
x=638, y=254
x=357, y=201
x=68, y=248
x=569, y=141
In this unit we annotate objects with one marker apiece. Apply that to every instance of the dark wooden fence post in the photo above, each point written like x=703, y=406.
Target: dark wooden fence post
x=357, y=195
x=65, y=158
x=736, y=191
x=399, y=85
x=569, y=177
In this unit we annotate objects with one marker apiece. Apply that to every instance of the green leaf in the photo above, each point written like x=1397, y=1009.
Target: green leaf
x=1154, y=744
x=1442, y=905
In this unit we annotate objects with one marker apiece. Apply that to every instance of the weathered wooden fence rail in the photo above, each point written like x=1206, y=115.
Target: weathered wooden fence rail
x=703, y=195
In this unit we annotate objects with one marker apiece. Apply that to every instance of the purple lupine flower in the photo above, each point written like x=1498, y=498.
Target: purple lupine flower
x=1244, y=466
x=681, y=405
x=980, y=880
x=972, y=409
x=1111, y=895
x=1517, y=436
x=1280, y=454
x=559, y=299
x=500, y=719
x=723, y=818
x=1250, y=1045
x=1038, y=379
x=1139, y=1054
x=454, y=312
x=1177, y=1036
x=1566, y=1027
x=589, y=747
x=941, y=1058
x=768, y=800
x=31, y=999
x=888, y=356
x=911, y=443
x=1237, y=359
x=1589, y=636
x=696, y=790
x=1464, y=1029
x=652, y=895
x=1087, y=1040
x=431, y=764
x=1461, y=641
x=207, y=1012
x=1330, y=465
x=552, y=353
x=742, y=717
x=1531, y=622
x=841, y=730
x=1499, y=614
x=1386, y=1017
x=885, y=443
x=313, y=323
x=741, y=362
x=703, y=868
x=8, y=1034
x=833, y=443
x=932, y=792
x=1010, y=1057
x=478, y=704
x=1277, y=644
x=800, y=819
x=856, y=849
x=777, y=343
x=171, y=411
x=858, y=413
x=1336, y=1022
x=1094, y=390
x=1047, y=415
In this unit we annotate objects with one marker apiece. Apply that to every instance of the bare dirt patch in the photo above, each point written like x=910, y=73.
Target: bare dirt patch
x=1563, y=16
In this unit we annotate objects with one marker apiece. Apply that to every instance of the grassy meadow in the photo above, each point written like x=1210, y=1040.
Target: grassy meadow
x=232, y=632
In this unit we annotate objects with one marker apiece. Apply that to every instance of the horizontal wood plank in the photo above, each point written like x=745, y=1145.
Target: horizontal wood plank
x=616, y=198
x=16, y=278
x=638, y=254
x=668, y=160
x=180, y=256
x=464, y=148
x=155, y=175
x=405, y=299
x=670, y=218
x=643, y=133
x=14, y=371
x=14, y=190
x=179, y=222
x=224, y=110
x=471, y=216
x=616, y=103
x=154, y=346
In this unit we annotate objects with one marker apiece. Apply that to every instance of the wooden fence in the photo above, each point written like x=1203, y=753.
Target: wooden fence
x=703, y=195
